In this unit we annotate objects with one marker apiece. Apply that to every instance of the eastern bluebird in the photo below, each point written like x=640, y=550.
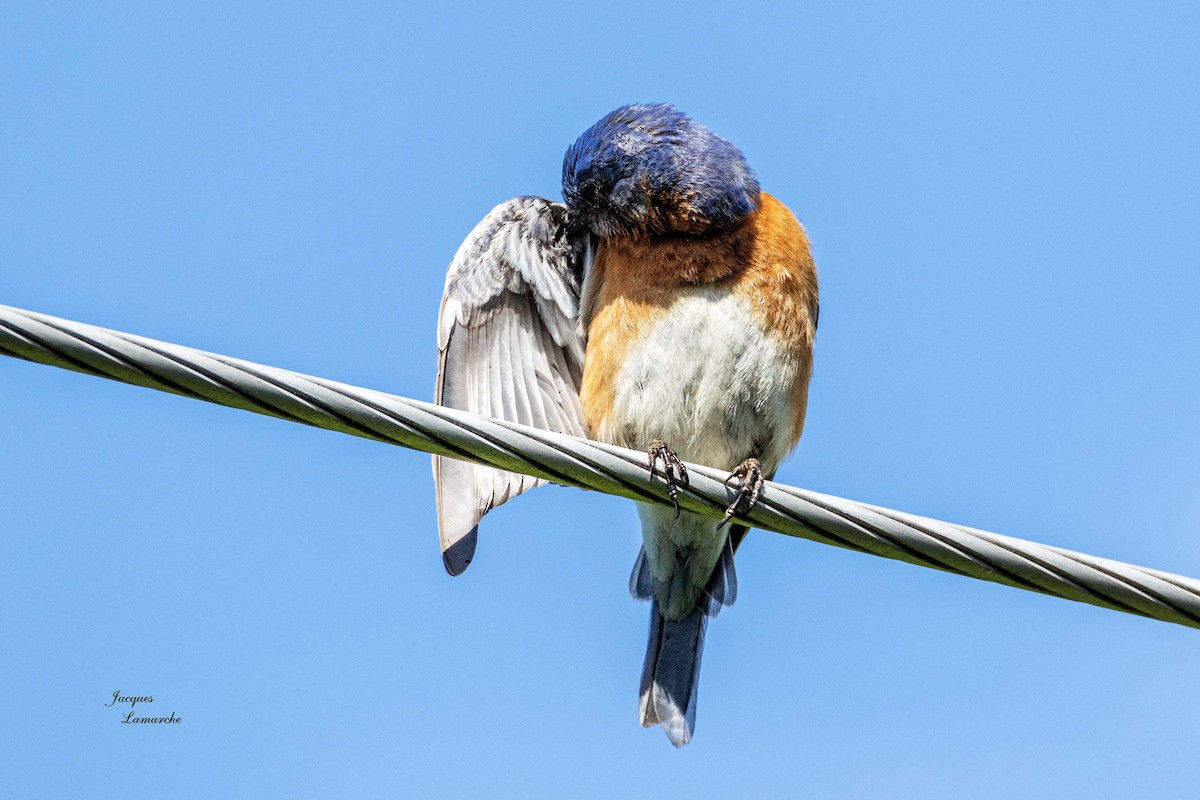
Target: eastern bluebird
x=670, y=305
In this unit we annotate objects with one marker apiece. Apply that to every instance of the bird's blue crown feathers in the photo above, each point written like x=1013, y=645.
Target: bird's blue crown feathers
x=651, y=170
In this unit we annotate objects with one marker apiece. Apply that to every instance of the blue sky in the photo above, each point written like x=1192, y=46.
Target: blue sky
x=1003, y=205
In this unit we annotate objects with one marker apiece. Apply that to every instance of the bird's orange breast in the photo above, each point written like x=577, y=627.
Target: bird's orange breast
x=766, y=261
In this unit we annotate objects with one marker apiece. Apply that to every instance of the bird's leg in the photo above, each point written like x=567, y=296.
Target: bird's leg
x=749, y=474
x=674, y=472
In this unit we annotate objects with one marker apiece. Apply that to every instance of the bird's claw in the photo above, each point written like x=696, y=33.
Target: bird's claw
x=674, y=472
x=749, y=474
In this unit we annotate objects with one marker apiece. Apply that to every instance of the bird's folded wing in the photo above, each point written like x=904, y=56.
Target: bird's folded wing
x=509, y=347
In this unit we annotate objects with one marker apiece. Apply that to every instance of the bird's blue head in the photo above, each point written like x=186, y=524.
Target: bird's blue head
x=651, y=170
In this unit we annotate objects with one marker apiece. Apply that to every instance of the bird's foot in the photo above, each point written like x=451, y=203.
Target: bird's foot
x=674, y=472
x=749, y=474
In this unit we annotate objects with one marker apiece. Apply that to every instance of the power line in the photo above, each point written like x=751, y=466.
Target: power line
x=593, y=465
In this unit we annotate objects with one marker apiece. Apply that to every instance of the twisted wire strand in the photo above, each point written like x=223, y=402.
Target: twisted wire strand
x=592, y=465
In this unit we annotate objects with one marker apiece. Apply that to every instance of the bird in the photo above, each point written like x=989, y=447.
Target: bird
x=668, y=305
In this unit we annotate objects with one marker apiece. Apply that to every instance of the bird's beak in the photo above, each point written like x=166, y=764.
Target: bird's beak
x=572, y=222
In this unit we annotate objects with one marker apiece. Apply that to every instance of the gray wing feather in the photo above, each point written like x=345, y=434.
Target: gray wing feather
x=509, y=347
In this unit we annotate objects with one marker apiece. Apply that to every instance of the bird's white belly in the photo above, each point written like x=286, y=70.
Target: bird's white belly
x=709, y=380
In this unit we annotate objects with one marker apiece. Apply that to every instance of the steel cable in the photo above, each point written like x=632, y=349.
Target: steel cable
x=592, y=465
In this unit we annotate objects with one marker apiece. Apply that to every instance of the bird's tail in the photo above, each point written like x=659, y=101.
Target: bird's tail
x=671, y=674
